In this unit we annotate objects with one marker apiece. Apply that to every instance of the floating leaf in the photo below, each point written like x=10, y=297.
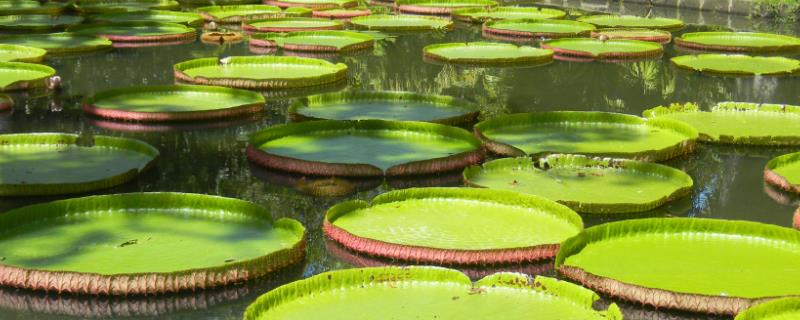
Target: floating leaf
x=260, y=72
x=318, y=41
x=727, y=64
x=291, y=24
x=382, y=22
x=659, y=36
x=440, y=7
x=487, y=53
x=21, y=75
x=604, y=50
x=481, y=15
x=738, y=41
x=60, y=43
x=542, y=28
x=615, y=21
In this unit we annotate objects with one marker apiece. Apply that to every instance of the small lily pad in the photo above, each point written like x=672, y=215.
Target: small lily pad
x=440, y=7
x=21, y=75
x=659, y=36
x=738, y=41
x=625, y=21
x=487, y=53
x=382, y=22
x=260, y=72
x=726, y=64
x=17, y=53
x=60, y=43
x=291, y=24
x=604, y=50
x=481, y=15
x=318, y=41
x=187, y=18
x=538, y=28
x=37, y=22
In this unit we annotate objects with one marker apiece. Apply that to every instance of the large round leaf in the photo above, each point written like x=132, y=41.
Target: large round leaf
x=427, y=293
x=592, y=185
x=60, y=43
x=487, y=53
x=651, y=35
x=691, y=264
x=138, y=31
x=784, y=172
x=481, y=15
x=148, y=242
x=313, y=4
x=291, y=24
x=440, y=7
x=20, y=7
x=614, y=21
x=342, y=13
x=260, y=72
x=13, y=52
x=604, y=49
x=21, y=75
x=187, y=18
x=738, y=41
x=382, y=22
x=737, y=64
x=104, y=6
x=37, y=22
x=317, y=41
x=239, y=13
x=325, y=148
x=537, y=28
x=738, y=122
x=453, y=226
x=591, y=133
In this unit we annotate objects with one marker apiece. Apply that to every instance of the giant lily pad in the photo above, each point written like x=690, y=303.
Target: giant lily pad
x=480, y=15
x=291, y=24
x=56, y=163
x=20, y=7
x=427, y=293
x=542, y=28
x=487, y=53
x=784, y=172
x=786, y=309
x=262, y=72
x=614, y=21
x=188, y=18
x=105, y=6
x=239, y=13
x=590, y=133
x=453, y=226
x=21, y=75
x=690, y=264
x=149, y=243
x=342, y=13
x=384, y=105
x=138, y=31
x=393, y=148
x=738, y=122
x=13, y=52
x=591, y=185
x=604, y=50
x=383, y=22
x=737, y=64
x=321, y=41
x=173, y=103
x=440, y=7
x=738, y=41
x=313, y=4
x=651, y=35
x=37, y=22
x=60, y=43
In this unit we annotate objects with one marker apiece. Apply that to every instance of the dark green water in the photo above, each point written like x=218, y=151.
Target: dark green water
x=728, y=180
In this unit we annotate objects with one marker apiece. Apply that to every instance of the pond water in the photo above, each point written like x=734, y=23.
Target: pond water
x=211, y=159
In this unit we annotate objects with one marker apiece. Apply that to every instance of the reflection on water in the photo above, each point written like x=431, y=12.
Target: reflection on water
x=211, y=160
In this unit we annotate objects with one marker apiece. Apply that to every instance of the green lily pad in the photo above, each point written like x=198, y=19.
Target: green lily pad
x=735, y=64
x=487, y=53
x=313, y=4
x=188, y=18
x=689, y=264
x=239, y=13
x=196, y=3
x=384, y=105
x=60, y=43
x=149, y=242
x=392, y=148
x=660, y=36
x=6, y=103
x=383, y=22
x=21, y=75
x=738, y=122
x=780, y=309
x=37, y=22
x=738, y=41
x=56, y=163
x=591, y=185
x=784, y=172
x=614, y=21
x=21, y=7
x=481, y=15
x=590, y=133
x=13, y=52
x=427, y=293
x=470, y=226
x=326, y=41
x=440, y=6
x=173, y=103
x=291, y=24
x=604, y=50
x=105, y=6
x=137, y=31
x=541, y=28
x=342, y=13
x=260, y=72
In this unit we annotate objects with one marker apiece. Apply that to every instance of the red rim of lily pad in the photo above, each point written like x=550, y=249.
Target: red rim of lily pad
x=250, y=28
x=659, y=36
x=685, y=41
x=314, y=6
x=796, y=222
x=774, y=178
x=187, y=33
x=489, y=28
x=271, y=40
x=608, y=56
x=341, y=14
x=429, y=6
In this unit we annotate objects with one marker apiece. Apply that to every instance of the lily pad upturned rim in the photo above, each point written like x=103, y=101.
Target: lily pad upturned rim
x=654, y=50
x=545, y=55
x=51, y=8
x=437, y=23
x=684, y=147
x=337, y=74
x=188, y=18
x=269, y=40
x=295, y=110
x=69, y=21
x=684, y=61
x=265, y=12
x=363, y=277
x=463, y=14
x=575, y=160
x=491, y=27
x=770, y=308
x=686, y=41
x=104, y=44
x=452, y=162
x=256, y=105
x=27, y=84
x=659, y=36
x=774, y=178
x=421, y=254
x=33, y=54
x=250, y=28
x=728, y=305
x=668, y=25
x=185, y=33
x=432, y=7
x=327, y=4
x=29, y=189
x=149, y=282
x=743, y=107
x=6, y=103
